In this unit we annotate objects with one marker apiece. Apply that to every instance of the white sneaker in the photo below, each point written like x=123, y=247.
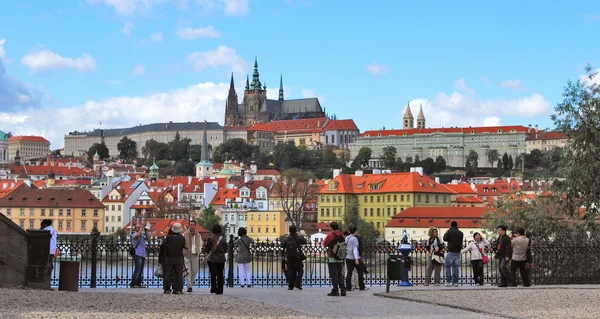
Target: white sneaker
x=447, y=285
x=454, y=285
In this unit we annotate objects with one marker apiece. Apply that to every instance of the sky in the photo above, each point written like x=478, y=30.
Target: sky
x=86, y=64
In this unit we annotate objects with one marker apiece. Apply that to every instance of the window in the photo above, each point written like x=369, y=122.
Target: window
x=68, y=214
x=31, y=224
x=334, y=199
x=251, y=216
x=95, y=213
x=96, y=225
x=266, y=229
x=22, y=213
x=379, y=199
x=401, y=198
x=259, y=229
x=339, y=198
x=60, y=212
x=107, y=229
x=427, y=198
x=112, y=207
x=83, y=224
x=365, y=212
x=68, y=225
x=267, y=217
x=395, y=198
x=274, y=230
x=258, y=219
x=322, y=212
x=365, y=199
x=119, y=207
x=328, y=199
x=371, y=199
x=389, y=211
x=408, y=198
x=60, y=224
x=322, y=199
x=51, y=211
x=274, y=216
x=378, y=225
x=419, y=198
x=327, y=210
x=31, y=212
x=83, y=213
x=395, y=210
x=107, y=219
x=252, y=229
x=43, y=213
x=389, y=198
x=22, y=223
x=378, y=212
x=371, y=212
x=8, y=212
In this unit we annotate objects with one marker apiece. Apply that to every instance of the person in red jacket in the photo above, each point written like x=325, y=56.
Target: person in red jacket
x=336, y=266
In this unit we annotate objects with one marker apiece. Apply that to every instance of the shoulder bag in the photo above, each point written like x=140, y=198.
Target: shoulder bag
x=437, y=258
x=484, y=258
x=205, y=261
x=248, y=248
x=132, y=249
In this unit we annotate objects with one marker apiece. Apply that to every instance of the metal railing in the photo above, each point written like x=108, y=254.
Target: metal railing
x=105, y=262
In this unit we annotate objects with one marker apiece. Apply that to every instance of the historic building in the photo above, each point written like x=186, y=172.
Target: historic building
x=29, y=147
x=545, y=140
x=4, y=147
x=452, y=143
x=256, y=108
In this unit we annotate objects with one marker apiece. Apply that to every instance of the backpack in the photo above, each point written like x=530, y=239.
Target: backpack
x=340, y=248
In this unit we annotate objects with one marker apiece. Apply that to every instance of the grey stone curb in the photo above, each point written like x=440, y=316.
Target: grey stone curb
x=476, y=310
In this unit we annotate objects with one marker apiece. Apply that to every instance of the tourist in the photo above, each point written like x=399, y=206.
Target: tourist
x=335, y=264
x=353, y=259
x=191, y=253
x=244, y=257
x=138, y=241
x=292, y=250
x=216, y=247
x=477, y=247
x=454, y=238
x=47, y=225
x=171, y=254
x=435, y=256
x=503, y=254
x=519, y=258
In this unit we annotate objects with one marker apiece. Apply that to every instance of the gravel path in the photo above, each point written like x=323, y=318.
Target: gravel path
x=25, y=303
x=539, y=302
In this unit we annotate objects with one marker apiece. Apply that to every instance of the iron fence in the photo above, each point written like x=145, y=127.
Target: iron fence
x=105, y=262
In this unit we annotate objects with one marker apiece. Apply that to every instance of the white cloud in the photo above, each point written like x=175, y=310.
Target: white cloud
x=513, y=85
x=127, y=27
x=223, y=56
x=15, y=94
x=491, y=121
x=124, y=7
x=192, y=103
x=585, y=79
x=461, y=86
x=236, y=7
x=377, y=69
x=2, y=51
x=156, y=37
x=45, y=60
x=203, y=32
x=139, y=70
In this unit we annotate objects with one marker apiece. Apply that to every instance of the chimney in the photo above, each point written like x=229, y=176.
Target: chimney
x=336, y=172
x=419, y=170
x=189, y=180
x=536, y=127
x=179, y=190
x=437, y=179
x=358, y=173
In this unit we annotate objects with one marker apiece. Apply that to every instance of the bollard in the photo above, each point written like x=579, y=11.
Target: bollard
x=68, y=279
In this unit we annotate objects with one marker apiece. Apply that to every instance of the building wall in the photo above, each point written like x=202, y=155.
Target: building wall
x=4, y=154
x=332, y=207
x=266, y=225
x=379, y=208
x=13, y=254
x=420, y=233
x=66, y=220
x=28, y=149
x=545, y=145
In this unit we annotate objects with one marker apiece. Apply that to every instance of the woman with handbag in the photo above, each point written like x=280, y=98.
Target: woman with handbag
x=215, y=248
x=477, y=248
x=435, y=256
x=244, y=257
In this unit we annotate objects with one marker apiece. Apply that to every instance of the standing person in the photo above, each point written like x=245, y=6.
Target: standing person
x=292, y=250
x=216, y=247
x=47, y=225
x=172, y=256
x=191, y=253
x=244, y=257
x=353, y=259
x=477, y=248
x=454, y=238
x=519, y=258
x=435, y=247
x=336, y=266
x=503, y=254
x=138, y=241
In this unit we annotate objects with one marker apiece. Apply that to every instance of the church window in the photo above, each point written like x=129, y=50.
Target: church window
x=326, y=139
x=332, y=139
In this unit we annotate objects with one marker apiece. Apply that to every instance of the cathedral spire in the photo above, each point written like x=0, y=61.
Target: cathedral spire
x=281, y=88
x=231, y=105
x=408, y=118
x=255, y=85
x=247, y=83
x=231, y=85
x=421, y=118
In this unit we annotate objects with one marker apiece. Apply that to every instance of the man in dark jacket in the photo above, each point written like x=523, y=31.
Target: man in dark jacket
x=172, y=258
x=336, y=266
x=504, y=254
x=454, y=238
x=292, y=250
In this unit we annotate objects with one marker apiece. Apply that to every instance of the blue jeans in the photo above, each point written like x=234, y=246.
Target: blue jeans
x=452, y=263
x=138, y=272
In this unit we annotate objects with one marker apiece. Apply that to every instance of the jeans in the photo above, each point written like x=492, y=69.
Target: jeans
x=524, y=273
x=350, y=266
x=337, y=275
x=452, y=264
x=504, y=272
x=191, y=263
x=138, y=272
x=217, y=277
x=245, y=273
x=477, y=271
x=430, y=268
x=173, y=277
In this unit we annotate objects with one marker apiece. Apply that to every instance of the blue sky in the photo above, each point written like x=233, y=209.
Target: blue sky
x=67, y=65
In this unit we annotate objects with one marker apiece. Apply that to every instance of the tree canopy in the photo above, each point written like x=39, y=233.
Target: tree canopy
x=471, y=163
x=294, y=189
x=101, y=149
x=366, y=230
x=127, y=148
x=235, y=149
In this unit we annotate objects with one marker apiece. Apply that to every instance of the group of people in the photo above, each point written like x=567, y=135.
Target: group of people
x=512, y=254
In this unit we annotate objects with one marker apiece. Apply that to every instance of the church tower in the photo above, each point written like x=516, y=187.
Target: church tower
x=205, y=167
x=232, y=116
x=409, y=120
x=281, y=88
x=254, y=96
x=421, y=118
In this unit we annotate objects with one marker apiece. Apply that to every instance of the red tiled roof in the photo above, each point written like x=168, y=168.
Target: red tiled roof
x=254, y=184
x=266, y=127
x=223, y=194
x=464, y=130
x=441, y=217
x=50, y=197
x=302, y=125
x=28, y=138
x=406, y=182
x=45, y=170
x=341, y=125
x=267, y=172
x=461, y=188
x=77, y=181
x=468, y=199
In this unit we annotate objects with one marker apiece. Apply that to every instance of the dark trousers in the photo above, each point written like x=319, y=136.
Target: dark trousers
x=477, y=271
x=350, y=266
x=522, y=269
x=504, y=271
x=138, y=271
x=217, y=278
x=336, y=272
x=173, y=277
x=295, y=271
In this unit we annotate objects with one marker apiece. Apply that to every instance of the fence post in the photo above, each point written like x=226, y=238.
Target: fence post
x=94, y=259
x=230, y=261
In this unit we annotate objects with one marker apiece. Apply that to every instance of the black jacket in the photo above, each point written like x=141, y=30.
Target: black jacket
x=454, y=237
x=504, y=247
x=171, y=250
x=292, y=244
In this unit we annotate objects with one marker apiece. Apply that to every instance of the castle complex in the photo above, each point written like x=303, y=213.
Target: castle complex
x=256, y=108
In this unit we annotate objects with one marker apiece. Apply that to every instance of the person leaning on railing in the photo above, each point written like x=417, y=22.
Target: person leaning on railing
x=477, y=248
x=435, y=256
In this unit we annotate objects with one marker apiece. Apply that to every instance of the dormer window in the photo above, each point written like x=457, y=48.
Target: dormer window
x=472, y=131
x=373, y=187
x=404, y=134
x=360, y=186
x=500, y=130
x=332, y=185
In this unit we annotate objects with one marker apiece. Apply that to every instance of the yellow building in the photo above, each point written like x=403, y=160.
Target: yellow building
x=29, y=147
x=380, y=196
x=266, y=225
x=73, y=211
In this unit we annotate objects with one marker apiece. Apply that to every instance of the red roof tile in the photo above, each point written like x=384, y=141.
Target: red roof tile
x=28, y=138
x=341, y=125
x=50, y=197
x=406, y=182
x=266, y=127
x=441, y=217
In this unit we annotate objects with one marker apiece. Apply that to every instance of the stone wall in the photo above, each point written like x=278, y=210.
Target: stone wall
x=13, y=253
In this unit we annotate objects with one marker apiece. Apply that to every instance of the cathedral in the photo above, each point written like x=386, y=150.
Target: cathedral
x=409, y=120
x=256, y=108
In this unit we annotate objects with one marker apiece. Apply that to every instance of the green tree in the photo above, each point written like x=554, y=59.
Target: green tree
x=388, y=157
x=195, y=152
x=552, y=161
x=366, y=230
x=428, y=166
x=100, y=148
x=440, y=164
x=208, y=218
x=178, y=148
x=127, y=148
x=510, y=162
x=286, y=155
x=154, y=150
x=362, y=159
x=505, y=161
x=471, y=164
x=492, y=156
x=185, y=167
x=533, y=160
x=235, y=149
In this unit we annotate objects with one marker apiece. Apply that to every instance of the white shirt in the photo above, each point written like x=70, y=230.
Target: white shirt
x=52, y=239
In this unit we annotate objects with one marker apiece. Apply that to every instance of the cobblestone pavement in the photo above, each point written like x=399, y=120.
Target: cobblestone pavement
x=580, y=302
